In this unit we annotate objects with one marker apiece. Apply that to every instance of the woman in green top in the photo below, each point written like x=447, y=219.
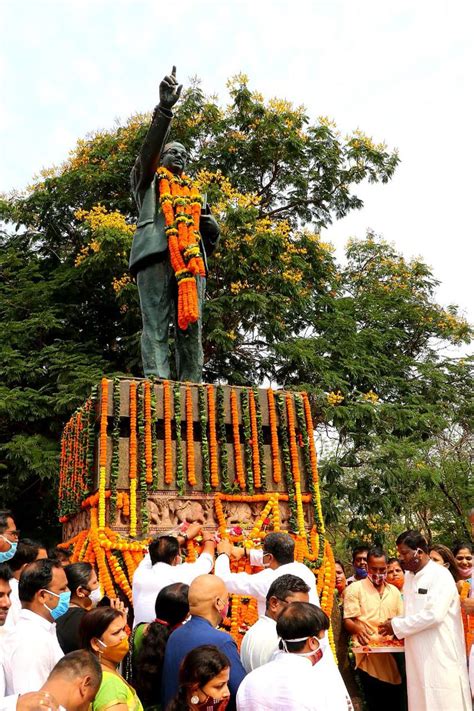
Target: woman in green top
x=149, y=642
x=103, y=633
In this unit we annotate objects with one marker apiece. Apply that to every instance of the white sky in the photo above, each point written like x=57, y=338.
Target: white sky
x=400, y=71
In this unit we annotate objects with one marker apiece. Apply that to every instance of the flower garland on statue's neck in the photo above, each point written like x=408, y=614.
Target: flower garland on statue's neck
x=181, y=203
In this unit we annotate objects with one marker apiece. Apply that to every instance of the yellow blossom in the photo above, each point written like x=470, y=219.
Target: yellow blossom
x=119, y=284
x=370, y=397
x=335, y=398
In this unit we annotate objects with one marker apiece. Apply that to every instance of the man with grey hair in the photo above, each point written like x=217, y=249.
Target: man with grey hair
x=150, y=259
x=278, y=558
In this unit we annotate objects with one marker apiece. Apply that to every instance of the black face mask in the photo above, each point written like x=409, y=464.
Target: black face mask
x=209, y=704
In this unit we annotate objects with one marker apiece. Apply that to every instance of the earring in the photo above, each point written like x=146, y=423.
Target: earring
x=194, y=699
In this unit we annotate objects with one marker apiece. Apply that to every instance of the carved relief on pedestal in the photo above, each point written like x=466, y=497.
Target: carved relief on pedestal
x=167, y=512
x=76, y=524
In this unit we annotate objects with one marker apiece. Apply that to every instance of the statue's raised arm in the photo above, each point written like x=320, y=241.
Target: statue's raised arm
x=148, y=159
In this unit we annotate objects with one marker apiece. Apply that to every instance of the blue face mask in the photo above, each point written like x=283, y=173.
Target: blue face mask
x=8, y=555
x=61, y=607
x=360, y=572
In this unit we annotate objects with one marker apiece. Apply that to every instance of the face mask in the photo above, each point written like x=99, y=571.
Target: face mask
x=8, y=555
x=225, y=610
x=360, y=572
x=316, y=653
x=465, y=573
x=61, y=607
x=398, y=582
x=341, y=585
x=377, y=578
x=266, y=564
x=209, y=704
x=95, y=596
x=115, y=652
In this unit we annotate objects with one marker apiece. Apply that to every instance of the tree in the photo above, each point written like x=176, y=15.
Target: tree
x=278, y=308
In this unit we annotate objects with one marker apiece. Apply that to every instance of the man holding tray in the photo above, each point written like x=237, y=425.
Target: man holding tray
x=367, y=603
x=432, y=629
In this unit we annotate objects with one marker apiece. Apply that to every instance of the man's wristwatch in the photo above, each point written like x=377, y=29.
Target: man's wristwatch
x=184, y=535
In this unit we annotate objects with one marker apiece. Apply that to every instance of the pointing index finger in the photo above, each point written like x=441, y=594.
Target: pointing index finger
x=173, y=72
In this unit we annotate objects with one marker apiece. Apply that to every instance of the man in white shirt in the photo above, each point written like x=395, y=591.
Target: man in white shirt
x=278, y=558
x=26, y=552
x=5, y=591
x=162, y=566
x=295, y=680
x=31, y=648
x=435, y=654
x=260, y=642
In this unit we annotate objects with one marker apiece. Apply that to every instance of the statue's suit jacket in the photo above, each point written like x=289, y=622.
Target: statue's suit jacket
x=150, y=243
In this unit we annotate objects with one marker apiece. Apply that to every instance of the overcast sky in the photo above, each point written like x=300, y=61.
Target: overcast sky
x=400, y=71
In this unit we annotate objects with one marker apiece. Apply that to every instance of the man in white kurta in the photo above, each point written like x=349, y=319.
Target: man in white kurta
x=278, y=556
x=260, y=642
x=435, y=656
x=296, y=680
x=31, y=649
x=162, y=567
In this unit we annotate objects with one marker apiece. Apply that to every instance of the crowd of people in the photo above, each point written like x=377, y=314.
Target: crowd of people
x=63, y=645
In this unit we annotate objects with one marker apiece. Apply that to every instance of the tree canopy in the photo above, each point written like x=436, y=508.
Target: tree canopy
x=366, y=338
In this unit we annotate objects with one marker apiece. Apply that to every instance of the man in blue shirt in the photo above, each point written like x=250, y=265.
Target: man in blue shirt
x=208, y=605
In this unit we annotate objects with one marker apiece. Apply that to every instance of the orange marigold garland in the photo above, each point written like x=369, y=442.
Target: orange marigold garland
x=190, y=465
x=104, y=402
x=181, y=205
x=274, y=436
x=167, y=426
x=295, y=467
x=148, y=439
x=257, y=480
x=468, y=620
x=133, y=458
x=213, y=452
x=239, y=469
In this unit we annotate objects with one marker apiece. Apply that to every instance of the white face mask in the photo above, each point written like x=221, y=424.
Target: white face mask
x=95, y=596
x=323, y=643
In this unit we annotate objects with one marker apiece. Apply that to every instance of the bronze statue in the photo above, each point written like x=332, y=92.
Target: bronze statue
x=166, y=278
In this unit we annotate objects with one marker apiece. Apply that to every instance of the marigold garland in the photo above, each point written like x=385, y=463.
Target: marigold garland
x=254, y=442
x=181, y=205
x=213, y=452
x=104, y=402
x=168, y=445
x=274, y=436
x=114, y=468
x=239, y=469
x=467, y=620
x=190, y=465
x=295, y=467
x=132, y=466
x=148, y=438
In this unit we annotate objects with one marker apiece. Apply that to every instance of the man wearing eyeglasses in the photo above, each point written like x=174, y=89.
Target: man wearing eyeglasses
x=8, y=536
x=261, y=641
x=277, y=557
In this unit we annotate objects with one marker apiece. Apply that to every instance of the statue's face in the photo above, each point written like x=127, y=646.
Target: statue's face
x=174, y=158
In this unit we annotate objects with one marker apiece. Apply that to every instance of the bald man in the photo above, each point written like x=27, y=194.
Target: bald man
x=208, y=605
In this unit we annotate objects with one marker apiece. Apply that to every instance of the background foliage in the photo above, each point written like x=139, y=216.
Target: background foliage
x=366, y=338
